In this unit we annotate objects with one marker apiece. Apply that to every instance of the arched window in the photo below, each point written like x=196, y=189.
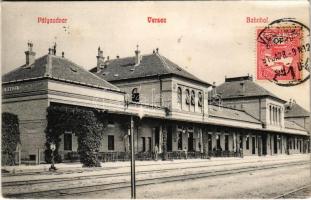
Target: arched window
x=179, y=95
x=187, y=96
x=192, y=97
x=200, y=99
x=270, y=113
x=135, y=95
x=280, y=118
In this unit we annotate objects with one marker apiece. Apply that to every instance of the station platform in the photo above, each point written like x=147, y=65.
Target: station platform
x=77, y=167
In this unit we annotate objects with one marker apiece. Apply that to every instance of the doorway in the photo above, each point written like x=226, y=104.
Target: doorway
x=169, y=139
x=210, y=142
x=226, y=142
x=218, y=142
x=275, y=144
x=190, y=142
x=264, y=144
x=259, y=143
x=253, y=145
x=157, y=136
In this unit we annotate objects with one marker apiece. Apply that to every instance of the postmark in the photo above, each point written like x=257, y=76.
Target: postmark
x=283, y=49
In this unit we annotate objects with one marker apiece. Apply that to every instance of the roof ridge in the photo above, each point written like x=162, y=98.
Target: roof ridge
x=163, y=61
x=128, y=57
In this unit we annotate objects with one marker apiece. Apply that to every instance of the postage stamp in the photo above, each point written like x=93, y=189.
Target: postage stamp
x=283, y=52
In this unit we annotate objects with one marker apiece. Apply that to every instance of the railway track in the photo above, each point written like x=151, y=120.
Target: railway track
x=143, y=182
x=98, y=176
x=298, y=193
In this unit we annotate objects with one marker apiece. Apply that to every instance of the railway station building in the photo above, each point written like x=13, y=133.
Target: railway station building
x=173, y=110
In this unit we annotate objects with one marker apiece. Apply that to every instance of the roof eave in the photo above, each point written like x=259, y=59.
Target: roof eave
x=251, y=96
x=157, y=76
x=62, y=80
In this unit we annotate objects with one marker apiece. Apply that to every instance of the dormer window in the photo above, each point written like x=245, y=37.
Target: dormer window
x=135, y=95
x=187, y=96
x=192, y=97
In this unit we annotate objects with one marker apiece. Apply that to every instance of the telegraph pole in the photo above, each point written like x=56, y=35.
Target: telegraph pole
x=133, y=179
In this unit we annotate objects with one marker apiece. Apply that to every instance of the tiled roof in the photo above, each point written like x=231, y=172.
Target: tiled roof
x=293, y=125
x=295, y=110
x=233, y=114
x=58, y=68
x=234, y=89
x=150, y=65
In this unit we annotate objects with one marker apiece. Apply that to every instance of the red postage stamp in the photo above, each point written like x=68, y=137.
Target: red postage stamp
x=282, y=53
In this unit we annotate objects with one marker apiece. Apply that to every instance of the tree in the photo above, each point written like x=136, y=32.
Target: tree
x=10, y=137
x=88, y=125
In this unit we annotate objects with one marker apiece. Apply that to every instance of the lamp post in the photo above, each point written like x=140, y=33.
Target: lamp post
x=53, y=148
x=133, y=175
x=133, y=179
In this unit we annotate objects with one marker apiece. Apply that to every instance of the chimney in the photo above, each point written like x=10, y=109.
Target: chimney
x=100, y=59
x=291, y=102
x=54, y=49
x=30, y=55
x=214, y=92
x=137, y=56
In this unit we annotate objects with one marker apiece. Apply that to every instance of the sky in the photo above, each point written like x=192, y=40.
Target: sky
x=209, y=39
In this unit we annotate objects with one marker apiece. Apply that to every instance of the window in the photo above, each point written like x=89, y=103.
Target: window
x=192, y=97
x=270, y=114
x=187, y=96
x=135, y=95
x=67, y=142
x=200, y=99
x=226, y=142
x=179, y=95
x=110, y=142
x=247, y=142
